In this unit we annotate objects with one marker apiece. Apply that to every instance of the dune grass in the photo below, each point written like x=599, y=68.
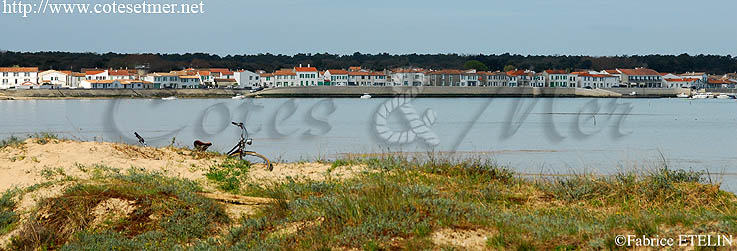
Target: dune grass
x=12, y=141
x=403, y=202
x=398, y=203
x=167, y=213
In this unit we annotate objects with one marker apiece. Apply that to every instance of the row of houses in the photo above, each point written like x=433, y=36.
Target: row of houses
x=31, y=78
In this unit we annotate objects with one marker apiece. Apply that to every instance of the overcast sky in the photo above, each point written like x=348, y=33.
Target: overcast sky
x=585, y=27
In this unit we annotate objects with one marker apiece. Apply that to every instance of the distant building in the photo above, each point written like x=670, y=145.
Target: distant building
x=247, y=79
x=408, y=77
x=285, y=78
x=170, y=80
x=559, y=78
x=16, y=77
x=496, y=79
x=57, y=79
x=121, y=74
x=116, y=84
x=589, y=80
x=447, y=77
x=267, y=80
x=335, y=77
x=366, y=78
x=640, y=78
x=681, y=82
x=307, y=76
x=96, y=75
x=715, y=83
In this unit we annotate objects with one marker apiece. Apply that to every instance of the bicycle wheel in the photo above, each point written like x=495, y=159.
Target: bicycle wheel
x=254, y=158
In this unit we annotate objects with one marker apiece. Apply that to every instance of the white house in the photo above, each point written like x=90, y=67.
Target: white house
x=267, y=80
x=77, y=78
x=247, y=79
x=496, y=79
x=307, y=76
x=116, y=84
x=336, y=77
x=586, y=79
x=681, y=82
x=96, y=75
x=12, y=77
x=56, y=78
x=408, y=77
x=469, y=78
x=121, y=74
x=559, y=78
x=286, y=77
x=173, y=81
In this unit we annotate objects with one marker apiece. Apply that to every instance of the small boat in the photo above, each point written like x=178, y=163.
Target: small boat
x=239, y=97
x=366, y=96
x=723, y=96
x=169, y=98
x=682, y=95
x=702, y=96
x=633, y=93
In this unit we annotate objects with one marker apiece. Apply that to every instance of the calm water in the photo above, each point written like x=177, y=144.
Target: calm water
x=532, y=135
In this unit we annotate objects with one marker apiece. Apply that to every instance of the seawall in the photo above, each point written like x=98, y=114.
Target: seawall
x=118, y=93
x=343, y=92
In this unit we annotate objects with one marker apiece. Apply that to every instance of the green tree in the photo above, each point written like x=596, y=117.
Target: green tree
x=509, y=68
x=475, y=64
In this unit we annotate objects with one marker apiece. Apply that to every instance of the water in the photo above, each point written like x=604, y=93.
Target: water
x=531, y=135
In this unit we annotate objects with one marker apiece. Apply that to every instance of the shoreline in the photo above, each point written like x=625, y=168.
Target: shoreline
x=344, y=92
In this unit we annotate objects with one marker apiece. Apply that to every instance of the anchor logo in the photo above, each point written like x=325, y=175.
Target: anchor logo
x=419, y=127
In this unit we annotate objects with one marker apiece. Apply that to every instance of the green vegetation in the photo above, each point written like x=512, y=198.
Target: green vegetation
x=8, y=216
x=402, y=202
x=163, y=213
x=43, y=138
x=229, y=175
x=11, y=142
x=269, y=62
x=397, y=203
x=475, y=64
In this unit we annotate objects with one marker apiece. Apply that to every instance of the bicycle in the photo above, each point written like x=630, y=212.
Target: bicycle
x=239, y=150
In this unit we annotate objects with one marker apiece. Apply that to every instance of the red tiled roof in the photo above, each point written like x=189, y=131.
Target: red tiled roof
x=118, y=73
x=516, y=73
x=284, y=73
x=18, y=69
x=681, y=79
x=556, y=72
x=305, y=69
x=639, y=72
x=612, y=71
x=447, y=71
x=719, y=81
x=267, y=74
x=586, y=74
x=359, y=73
x=220, y=70
x=338, y=72
x=93, y=72
x=415, y=70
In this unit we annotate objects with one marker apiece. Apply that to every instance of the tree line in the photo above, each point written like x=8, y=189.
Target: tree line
x=714, y=64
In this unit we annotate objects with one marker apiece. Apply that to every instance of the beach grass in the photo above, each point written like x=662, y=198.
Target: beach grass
x=395, y=203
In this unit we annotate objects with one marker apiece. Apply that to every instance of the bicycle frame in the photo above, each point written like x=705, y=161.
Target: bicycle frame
x=240, y=148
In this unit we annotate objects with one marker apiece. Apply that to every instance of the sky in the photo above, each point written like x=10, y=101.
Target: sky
x=229, y=27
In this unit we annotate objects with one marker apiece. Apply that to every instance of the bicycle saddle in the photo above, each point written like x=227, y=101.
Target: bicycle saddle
x=200, y=143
